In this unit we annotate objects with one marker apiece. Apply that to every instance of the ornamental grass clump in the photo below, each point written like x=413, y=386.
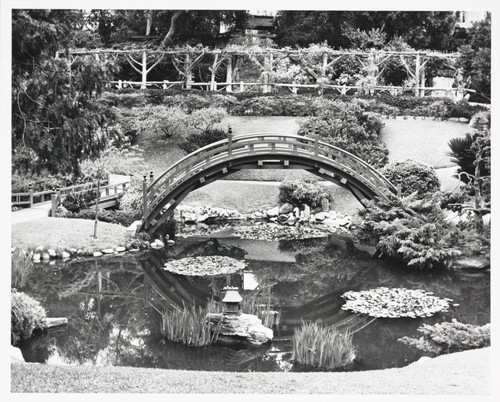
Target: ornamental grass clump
x=21, y=266
x=323, y=347
x=450, y=337
x=27, y=316
x=188, y=325
x=263, y=309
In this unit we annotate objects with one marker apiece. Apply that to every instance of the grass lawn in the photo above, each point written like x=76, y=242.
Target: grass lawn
x=422, y=140
x=462, y=373
x=67, y=233
x=250, y=196
x=429, y=146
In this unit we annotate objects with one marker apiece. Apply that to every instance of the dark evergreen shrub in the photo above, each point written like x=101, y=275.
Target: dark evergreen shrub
x=123, y=218
x=450, y=337
x=27, y=316
x=414, y=233
x=414, y=177
x=154, y=96
x=303, y=192
x=348, y=126
x=198, y=140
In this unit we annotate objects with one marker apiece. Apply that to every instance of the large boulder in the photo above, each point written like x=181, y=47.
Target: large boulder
x=243, y=328
x=273, y=212
x=285, y=208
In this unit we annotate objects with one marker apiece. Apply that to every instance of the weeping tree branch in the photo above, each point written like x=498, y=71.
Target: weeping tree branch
x=168, y=37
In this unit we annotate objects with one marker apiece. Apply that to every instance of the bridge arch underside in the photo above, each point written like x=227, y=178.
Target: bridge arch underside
x=326, y=171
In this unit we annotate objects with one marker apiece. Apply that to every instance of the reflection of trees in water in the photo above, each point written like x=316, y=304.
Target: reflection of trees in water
x=211, y=247
x=109, y=321
x=100, y=298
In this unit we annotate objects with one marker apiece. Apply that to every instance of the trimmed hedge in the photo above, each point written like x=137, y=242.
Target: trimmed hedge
x=257, y=104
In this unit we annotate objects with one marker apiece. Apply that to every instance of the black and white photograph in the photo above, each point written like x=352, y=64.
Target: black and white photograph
x=214, y=200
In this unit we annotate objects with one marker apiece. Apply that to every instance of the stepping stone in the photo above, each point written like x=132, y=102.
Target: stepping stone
x=108, y=251
x=52, y=253
x=65, y=255
x=97, y=254
x=121, y=249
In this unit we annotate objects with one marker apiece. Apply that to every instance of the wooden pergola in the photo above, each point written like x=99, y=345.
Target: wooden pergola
x=312, y=63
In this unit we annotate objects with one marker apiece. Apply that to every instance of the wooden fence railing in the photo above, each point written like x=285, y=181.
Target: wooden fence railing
x=294, y=88
x=106, y=193
x=30, y=198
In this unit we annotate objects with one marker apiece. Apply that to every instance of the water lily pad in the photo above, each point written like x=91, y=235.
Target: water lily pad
x=386, y=302
x=205, y=266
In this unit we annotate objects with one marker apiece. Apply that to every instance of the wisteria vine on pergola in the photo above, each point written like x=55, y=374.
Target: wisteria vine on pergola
x=315, y=62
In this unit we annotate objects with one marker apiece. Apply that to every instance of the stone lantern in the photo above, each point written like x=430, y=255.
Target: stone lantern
x=231, y=301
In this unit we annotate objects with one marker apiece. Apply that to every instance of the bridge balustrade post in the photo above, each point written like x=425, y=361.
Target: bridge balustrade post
x=229, y=141
x=54, y=197
x=144, y=198
x=316, y=142
x=30, y=189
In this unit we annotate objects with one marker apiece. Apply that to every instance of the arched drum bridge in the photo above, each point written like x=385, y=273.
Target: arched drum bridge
x=257, y=151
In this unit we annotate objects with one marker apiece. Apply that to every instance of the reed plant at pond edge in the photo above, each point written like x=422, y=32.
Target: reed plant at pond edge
x=188, y=325
x=21, y=265
x=324, y=347
x=262, y=308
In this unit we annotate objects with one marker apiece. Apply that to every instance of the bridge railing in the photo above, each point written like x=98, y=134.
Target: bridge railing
x=261, y=144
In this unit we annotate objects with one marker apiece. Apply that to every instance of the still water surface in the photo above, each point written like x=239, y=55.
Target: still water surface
x=111, y=304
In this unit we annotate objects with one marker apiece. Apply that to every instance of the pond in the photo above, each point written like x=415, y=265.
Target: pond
x=112, y=304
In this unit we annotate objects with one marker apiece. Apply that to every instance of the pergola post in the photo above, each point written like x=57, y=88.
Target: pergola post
x=229, y=74
x=213, y=85
x=144, y=199
x=144, y=69
x=325, y=64
x=422, y=82
x=417, y=75
x=189, y=73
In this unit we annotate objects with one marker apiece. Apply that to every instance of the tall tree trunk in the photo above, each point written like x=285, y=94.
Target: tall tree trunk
x=168, y=37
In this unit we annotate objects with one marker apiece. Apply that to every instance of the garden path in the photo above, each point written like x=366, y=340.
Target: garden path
x=38, y=211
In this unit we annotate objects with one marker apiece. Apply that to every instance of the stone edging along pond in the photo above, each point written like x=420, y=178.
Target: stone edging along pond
x=48, y=254
x=281, y=222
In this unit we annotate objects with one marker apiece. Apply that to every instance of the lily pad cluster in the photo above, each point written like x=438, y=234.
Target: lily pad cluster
x=270, y=231
x=386, y=302
x=205, y=266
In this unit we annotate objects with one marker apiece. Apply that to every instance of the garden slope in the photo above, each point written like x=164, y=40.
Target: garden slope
x=463, y=373
x=66, y=233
